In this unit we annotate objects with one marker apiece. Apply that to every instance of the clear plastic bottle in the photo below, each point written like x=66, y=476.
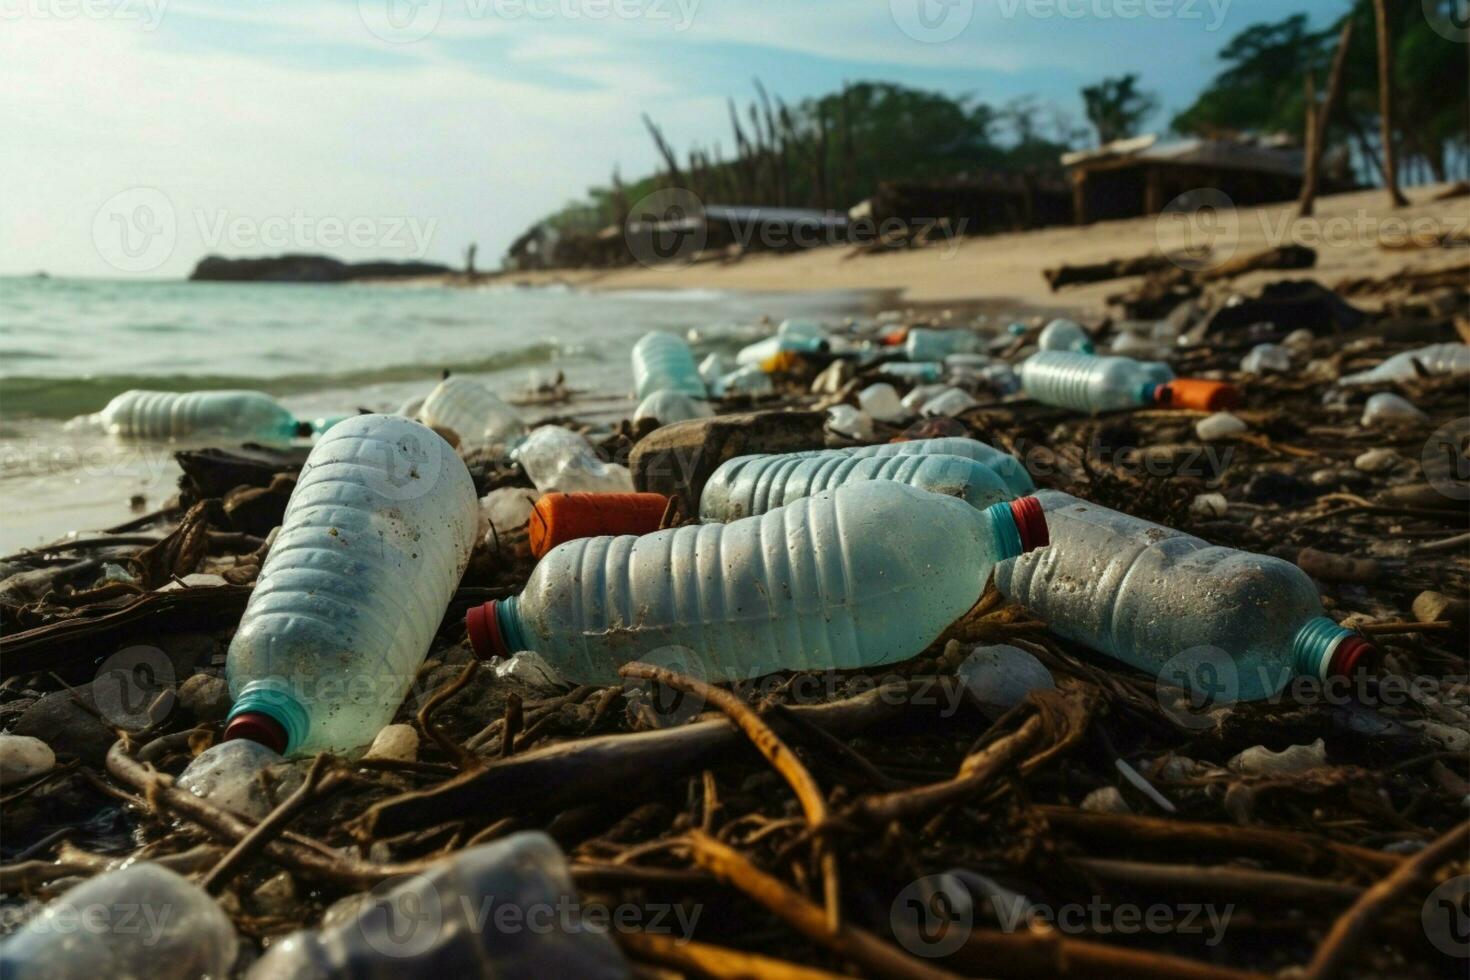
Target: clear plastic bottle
x=245, y=415
x=927, y=344
x=926, y=372
x=760, y=352
x=453, y=921
x=1006, y=466
x=664, y=361
x=746, y=381
x=714, y=367
x=749, y=485
x=1148, y=595
x=560, y=460
x=142, y=921
x=1087, y=383
x=862, y=575
x=671, y=406
x=374, y=540
x=798, y=327
x=1064, y=334
x=473, y=411
x=1449, y=359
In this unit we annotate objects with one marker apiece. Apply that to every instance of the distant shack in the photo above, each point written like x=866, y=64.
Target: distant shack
x=968, y=204
x=1140, y=176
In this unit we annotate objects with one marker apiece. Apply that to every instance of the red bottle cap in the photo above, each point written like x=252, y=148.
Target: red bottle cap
x=483, y=627
x=1352, y=654
x=1031, y=523
x=258, y=727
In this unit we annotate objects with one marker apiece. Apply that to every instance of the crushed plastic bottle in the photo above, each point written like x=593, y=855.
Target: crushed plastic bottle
x=862, y=575
x=1450, y=359
x=142, y=922
x=662, y=361
x=928, y=344
x=750, y=485
x=761, y=353
x=507, y=508
x=916, y=398
x=374, y=540
x=667, y=406
x=950, y=402
x=560, y=460
x=1006, y=466
x=472, y=412
x=1064, y=334
x=455, y=920
x=1388, y=407
x=1087, y=383
x=1266, y=359
x=850, y=422
x=225, y=775
x=1193, y=614
x=881, y=401
x=746, y=381
x=245, y=415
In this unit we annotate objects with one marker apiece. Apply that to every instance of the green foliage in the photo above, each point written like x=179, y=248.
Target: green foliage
x=1116, y=108
x=1262, y=89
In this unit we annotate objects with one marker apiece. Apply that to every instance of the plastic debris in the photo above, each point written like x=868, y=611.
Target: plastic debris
x=1386, y=407
x=1000, y=676
x=560, y=460
x=1266, y=359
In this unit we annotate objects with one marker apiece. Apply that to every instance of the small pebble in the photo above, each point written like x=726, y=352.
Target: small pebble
x=1376, y=460
x=1209, y=505
x=22, y=757
x=999, y=677
x=206, y=697
x=1386, y=407
x=397, y=742
x=1105, y=800
x=1259, y=760
x=1221, y=425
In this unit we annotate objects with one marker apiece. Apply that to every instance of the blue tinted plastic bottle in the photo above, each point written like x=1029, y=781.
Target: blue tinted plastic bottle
x=374, y=540
x=1149, y=595
x=1005, y=465
x=1064, y=334
x=662, y=361
x=863, y=575
x=751, y=485
x=244, y=415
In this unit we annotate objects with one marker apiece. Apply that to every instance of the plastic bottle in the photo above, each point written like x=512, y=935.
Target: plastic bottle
x=760, y=353
x=1450, y=359
x=750, y=485
x=862, y=575
x=561, y=517
x=558, y=459
x=1087, y=383
x=140, y=921
x=746, y=381
x=806, y=329
x=949, y=402
x=663, y=361
x=1006, y=466
x=245, y=415
x=1148, y=594
x=503, y=909
x=926, y=372
x=667, y=406
x=1064, y=334
x=926, y=344
x=374, y=540
x=473, y=412
x=714, y=367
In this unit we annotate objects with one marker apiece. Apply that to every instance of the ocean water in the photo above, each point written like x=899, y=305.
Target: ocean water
x=68, y=346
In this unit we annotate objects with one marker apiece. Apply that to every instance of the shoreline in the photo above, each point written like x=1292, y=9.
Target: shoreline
x=1005, y=271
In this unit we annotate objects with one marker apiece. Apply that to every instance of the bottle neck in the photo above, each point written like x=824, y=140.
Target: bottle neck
x=1016, y=527
x=271, y=698
x=495, y=629
x=1323, y=649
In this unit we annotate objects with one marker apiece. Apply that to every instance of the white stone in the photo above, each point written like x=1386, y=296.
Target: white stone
x=1209, y=505
x=22, y=757
x=848, y=421
x=999, y=677
x=1376, y=460
x=1221, y=425
x=1259, y=760
x=1266, y=358
x=1105, y=800
x=397, y=742
x=881, y=402
x=1388, y=407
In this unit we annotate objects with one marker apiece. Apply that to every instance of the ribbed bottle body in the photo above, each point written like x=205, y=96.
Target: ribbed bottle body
x=246, y=415
x=1086, y=383
x=373, y=543
x=472, y=411
x=750, y=485
x=1006, y=466
x=926, y=344
x=864, y=575
x=1146, y=594
x=663, y=361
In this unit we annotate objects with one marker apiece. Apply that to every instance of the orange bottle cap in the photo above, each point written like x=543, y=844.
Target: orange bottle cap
x=1200, y=395
x=562, y=517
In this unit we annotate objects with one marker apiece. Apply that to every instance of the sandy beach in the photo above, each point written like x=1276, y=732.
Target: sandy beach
x=1005, y=271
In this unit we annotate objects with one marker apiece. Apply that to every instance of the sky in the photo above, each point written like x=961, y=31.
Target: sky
x=136, y=136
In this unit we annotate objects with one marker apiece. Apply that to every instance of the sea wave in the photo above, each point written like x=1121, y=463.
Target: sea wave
x=30, y=396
